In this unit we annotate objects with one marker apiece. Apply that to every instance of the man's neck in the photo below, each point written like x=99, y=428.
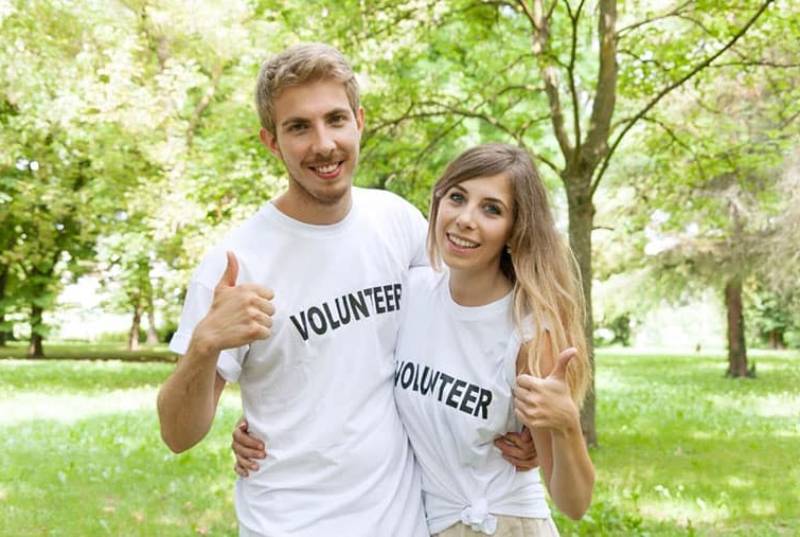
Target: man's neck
x=311, y=211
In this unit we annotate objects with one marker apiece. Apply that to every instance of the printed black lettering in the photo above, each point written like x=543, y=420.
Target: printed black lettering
x=387, y=292
x=446, y=379
x=405, y=380
x=302, y=329
x=333, y=322
x=483, y=403
x=344, y=317
x=368, y=294
x=398, y=290
x=397, y=371
x=416, y=378
x=379, y=299
x=455, y=393
x=433, y=382
x=317, y=320
x=426, y=373
x=470, y=396
x=359, y=305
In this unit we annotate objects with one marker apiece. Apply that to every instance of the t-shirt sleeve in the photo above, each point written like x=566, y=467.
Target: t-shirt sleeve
x=198, y=302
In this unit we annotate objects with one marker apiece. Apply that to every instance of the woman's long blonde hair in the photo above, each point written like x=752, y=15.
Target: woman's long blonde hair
x=540, y=263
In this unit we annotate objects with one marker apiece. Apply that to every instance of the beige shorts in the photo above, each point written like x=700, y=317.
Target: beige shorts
x=507, y=526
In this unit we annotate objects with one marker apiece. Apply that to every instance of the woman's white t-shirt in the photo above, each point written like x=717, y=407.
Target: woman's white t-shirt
x=455, y=367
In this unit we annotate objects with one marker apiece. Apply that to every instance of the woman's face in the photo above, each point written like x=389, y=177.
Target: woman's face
x=474, y=223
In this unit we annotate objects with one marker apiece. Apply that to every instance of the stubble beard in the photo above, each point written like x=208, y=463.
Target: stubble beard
x=324, y=197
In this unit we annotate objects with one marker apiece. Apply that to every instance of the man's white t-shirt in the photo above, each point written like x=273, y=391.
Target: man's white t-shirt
x=456, y=367
x=318, y=391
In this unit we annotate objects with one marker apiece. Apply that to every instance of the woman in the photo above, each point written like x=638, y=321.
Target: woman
x=476, y=353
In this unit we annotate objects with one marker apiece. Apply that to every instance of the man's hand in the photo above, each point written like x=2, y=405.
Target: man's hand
x=247, y=449
x=239, y=314
x=518, y=449
x=546, y=403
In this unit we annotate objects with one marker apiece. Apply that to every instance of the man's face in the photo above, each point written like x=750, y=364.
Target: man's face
x=317, y=137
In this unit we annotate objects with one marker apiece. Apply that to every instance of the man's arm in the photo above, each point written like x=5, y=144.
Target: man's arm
x=187, y=401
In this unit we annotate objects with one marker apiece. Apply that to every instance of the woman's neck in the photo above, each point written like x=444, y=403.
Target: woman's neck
x=478, y=288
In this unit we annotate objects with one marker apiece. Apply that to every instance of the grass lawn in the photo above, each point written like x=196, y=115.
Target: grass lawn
x=683, y=451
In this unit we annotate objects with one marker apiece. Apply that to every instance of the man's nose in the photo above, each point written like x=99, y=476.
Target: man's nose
x=324, y=143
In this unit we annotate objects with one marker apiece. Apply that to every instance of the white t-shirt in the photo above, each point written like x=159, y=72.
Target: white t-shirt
x=319, y=390
x=455, y=369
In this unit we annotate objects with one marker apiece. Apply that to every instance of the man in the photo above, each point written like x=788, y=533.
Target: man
x=314, y=358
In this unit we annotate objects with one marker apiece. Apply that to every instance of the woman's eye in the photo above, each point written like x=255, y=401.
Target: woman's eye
x=456, y=196
x=492, y=209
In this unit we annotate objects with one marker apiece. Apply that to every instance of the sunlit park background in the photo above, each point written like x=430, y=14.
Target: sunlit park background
x=668, y=134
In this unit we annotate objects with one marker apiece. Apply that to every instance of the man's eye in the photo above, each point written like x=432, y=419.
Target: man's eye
x=340, y=118
x=296, y=127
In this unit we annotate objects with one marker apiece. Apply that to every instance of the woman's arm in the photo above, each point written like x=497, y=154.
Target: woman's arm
x=546, y=407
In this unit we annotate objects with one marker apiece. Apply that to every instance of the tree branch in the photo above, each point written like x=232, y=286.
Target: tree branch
x=540, y=48
x=576, y=118
x=664, y=92
x=596, y=146
x=680, y=142
x=676, y=11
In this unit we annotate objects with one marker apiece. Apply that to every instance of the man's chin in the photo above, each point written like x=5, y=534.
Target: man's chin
x=334, y=194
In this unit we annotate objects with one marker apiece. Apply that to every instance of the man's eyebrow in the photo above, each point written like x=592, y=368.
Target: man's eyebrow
x=337, y=111
x=291, y=120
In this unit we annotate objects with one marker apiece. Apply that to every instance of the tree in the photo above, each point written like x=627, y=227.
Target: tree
x=712, y=191
x=467, y=73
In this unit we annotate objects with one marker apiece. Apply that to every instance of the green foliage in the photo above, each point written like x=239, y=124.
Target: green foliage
x=775, y=317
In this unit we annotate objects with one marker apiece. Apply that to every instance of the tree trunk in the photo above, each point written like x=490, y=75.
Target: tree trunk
x=152, y=333
x=4, y=335
x=737, y=352
x=581, y=215
x=775, y=340
x=133, y=336
x=36, y=346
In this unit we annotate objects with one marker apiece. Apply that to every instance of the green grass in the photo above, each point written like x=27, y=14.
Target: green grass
x=91, y=351
x=684, y=451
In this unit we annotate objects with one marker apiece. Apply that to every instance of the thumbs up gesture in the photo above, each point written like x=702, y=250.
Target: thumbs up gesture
x=546, y=402
x=239, y=314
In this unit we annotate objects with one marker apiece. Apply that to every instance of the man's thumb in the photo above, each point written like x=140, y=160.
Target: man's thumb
x=560, y=370
x=231, y=271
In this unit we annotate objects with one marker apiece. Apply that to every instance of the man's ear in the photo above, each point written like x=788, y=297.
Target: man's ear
x=270, y=141
x=360, y=119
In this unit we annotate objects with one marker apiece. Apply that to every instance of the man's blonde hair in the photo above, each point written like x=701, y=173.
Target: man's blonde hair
x=297, y=65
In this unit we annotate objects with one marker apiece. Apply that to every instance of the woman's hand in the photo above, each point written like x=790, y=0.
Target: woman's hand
x=546, y=403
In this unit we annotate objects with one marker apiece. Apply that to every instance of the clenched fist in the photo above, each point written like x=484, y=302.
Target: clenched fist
x=239, y=314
